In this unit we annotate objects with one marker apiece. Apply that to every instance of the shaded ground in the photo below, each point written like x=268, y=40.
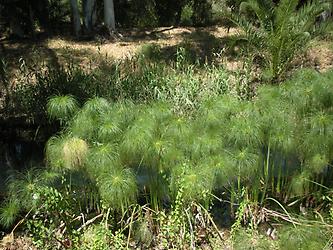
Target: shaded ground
x=210, y=44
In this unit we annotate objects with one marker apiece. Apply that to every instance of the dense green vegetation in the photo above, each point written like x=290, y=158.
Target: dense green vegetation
x=165, y=150
x=277, y=33
x=112, y=156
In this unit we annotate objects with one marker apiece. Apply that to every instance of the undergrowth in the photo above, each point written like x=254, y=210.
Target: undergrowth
x=273, y=151
x=141, y=79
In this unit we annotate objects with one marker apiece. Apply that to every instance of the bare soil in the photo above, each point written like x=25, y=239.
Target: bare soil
x=209, y=43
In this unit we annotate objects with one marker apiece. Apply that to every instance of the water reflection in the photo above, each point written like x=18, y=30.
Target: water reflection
x=18, y=154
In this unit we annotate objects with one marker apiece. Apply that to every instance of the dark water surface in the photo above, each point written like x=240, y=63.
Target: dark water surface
x=19, y=150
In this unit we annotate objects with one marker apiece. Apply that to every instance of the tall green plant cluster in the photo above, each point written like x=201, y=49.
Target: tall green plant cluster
x=278, y=32
x=31, y=94
x=283, y=138
x=139, y=79
x=49, y=204
x=111, y=155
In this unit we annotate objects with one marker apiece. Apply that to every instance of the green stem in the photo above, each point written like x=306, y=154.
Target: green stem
x=266, y=172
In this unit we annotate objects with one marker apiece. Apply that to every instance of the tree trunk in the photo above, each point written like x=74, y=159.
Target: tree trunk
x=75, y=18
x=109, y=17
x=88, y=10
x=16, y=28
x=31, y=22
x=42, y=13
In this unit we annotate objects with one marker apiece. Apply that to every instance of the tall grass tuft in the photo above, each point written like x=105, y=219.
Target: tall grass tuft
x=62, y=107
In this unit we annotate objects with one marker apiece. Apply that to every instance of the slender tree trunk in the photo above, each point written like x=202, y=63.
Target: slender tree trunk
x=109, y=17
x=42, y=13
x=75, y=18
x=16, y=25
x=16, y=28
x=31, y=22
x=88, y=10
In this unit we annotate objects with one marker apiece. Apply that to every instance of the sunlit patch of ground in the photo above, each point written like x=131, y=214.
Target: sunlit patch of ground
x=17, y=243
x=320, y=55
x=209, y=43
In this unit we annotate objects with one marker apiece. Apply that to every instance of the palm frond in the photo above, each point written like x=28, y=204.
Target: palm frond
x=279, y=31
x=262, y=9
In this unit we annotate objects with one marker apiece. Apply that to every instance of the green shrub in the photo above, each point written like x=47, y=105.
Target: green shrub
x=186, y=16
x=150, y=52
x=202, y=12
x=30, y=96
x=121, y=153
x=277, y=33
x=143, y=14
x=304, y=238
x=146, y=77
x=224, y=134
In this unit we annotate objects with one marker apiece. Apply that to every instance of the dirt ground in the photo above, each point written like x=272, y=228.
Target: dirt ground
x=130, y=42
x=208, y=42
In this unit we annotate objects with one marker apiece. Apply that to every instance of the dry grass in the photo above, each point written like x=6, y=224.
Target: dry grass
x=320, y=55
x=88, y=54
x=18, y=243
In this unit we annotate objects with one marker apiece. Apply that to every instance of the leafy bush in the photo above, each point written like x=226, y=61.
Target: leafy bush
x=144, y=14
x=202, y=12
x=186, y=15
x=98, y=237
x=51, y=204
